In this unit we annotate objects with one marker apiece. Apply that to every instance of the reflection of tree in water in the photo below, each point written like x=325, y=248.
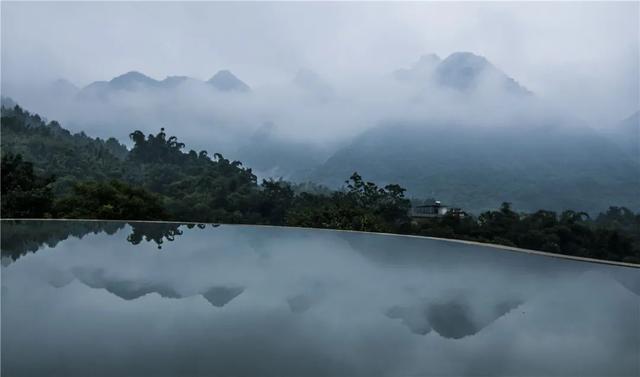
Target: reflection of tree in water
x=19, y=237
x=158, y=232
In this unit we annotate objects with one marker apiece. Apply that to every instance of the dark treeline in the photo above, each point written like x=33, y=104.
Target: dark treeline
x=49, y=172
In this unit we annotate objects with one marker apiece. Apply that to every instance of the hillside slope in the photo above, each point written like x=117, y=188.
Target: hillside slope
x=532, y=167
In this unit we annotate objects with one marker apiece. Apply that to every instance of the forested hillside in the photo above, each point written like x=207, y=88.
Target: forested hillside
x=533, y=166
x=55, y=150
x=49, y=172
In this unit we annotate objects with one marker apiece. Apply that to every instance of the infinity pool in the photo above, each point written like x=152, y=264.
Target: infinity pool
x=159, y=299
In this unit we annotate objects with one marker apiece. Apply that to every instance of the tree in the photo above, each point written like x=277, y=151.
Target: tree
x=275, y=200
x=112, y=200
x=361, y=206
x=24, y=194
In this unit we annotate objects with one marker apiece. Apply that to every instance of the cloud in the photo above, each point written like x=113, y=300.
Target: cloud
x=571, y=52
x=321, y=73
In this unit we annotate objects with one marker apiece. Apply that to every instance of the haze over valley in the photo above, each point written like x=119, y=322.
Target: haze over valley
x=443, y=114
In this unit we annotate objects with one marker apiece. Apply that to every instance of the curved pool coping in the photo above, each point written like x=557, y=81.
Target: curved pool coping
x=453, y=240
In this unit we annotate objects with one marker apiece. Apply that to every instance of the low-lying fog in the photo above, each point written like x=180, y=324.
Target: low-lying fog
x=286, y=87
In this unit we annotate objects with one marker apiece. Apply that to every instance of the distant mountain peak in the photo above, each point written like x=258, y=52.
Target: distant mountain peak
x=132, y=75
x=64, y=82
x=467, y=58
x=63, y=87
x=226, y=81
x=461, y=70
x=465, y=71
x=131, y=79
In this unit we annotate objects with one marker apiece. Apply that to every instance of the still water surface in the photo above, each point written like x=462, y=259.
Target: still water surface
x=116, y=299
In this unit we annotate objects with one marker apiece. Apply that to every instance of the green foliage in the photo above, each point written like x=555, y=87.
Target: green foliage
x=274, y=200
x=361, y=206
x=54, y=150
x=113, y=200
x=24, y=194
x=154, y=232
x=156, y=148
x=619, y=218
x=572, y=233
x=194, y=186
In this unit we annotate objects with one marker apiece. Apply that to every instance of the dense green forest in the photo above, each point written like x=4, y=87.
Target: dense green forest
x=48, y=172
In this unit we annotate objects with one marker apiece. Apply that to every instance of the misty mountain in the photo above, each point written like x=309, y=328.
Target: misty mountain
x=461, y=71
x=626, y=134
x=269, y=155
x=64, y=88
x=56, y=150
x=532, y=166
x=227, y=82
x=130, y=81
x=467, y=71
x=504, y=151
x=439, y=135
x=133, y=81
x=172, y=82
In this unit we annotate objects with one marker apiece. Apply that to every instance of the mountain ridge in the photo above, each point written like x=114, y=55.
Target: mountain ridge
x=222, y=81
x=536, y=167
x=461, y=71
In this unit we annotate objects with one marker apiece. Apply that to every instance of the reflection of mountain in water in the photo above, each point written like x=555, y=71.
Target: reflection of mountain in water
x=312, y=293
x=453, y=319
x=125, y=289
x=299, y=303
x=220, y=296
x=59, y=279
x=414, y=318
x=629, y=278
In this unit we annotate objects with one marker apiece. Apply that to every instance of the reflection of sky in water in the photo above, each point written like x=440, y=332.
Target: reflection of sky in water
x=241, y=300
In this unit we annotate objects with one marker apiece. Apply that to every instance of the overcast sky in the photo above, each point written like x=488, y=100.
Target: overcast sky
x=585, y=54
